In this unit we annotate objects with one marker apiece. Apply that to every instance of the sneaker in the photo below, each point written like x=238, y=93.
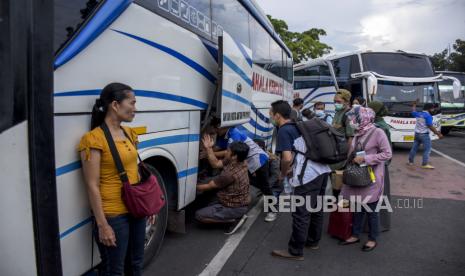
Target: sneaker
x=271, y=217
x=427, y=166
x=411, y=164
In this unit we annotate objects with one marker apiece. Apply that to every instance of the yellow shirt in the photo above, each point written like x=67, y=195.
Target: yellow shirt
x=110, y=182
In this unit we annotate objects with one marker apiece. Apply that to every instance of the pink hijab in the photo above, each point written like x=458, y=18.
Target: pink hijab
x=363, y=117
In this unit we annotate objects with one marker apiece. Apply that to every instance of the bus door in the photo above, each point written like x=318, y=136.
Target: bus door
x=235, y=82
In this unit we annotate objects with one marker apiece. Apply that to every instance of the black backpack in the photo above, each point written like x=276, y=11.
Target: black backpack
x=324, y=143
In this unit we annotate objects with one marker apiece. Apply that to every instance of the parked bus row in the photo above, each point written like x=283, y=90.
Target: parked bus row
x=395, y=78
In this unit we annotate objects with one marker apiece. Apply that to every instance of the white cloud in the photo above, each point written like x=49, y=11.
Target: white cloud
x=423, y=26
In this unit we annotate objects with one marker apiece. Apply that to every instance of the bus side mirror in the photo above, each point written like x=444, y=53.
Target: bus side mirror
x=456, y=88
x=372, y=85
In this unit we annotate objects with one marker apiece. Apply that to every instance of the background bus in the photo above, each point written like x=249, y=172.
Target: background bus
x=168, y=51
x=394, y=78
x=453, y=109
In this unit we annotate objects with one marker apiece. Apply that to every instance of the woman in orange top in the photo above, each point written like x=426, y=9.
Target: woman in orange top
x=117, y=233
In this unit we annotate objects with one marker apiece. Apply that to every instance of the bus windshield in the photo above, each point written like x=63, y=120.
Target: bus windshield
x=398, y=96
x=398, y=64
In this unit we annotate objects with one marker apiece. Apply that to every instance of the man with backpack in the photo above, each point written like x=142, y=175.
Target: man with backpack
x=308, y=178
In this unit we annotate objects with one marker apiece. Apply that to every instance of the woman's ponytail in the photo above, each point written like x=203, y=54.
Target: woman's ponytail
x=98, y=114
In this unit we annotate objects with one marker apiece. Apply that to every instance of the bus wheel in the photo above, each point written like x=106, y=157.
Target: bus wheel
x=155, y=233
x=445, y=130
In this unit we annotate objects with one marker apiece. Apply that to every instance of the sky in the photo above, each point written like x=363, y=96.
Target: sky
x=420, y=26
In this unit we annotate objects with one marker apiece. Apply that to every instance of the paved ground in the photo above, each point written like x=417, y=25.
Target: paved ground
x=422, y=241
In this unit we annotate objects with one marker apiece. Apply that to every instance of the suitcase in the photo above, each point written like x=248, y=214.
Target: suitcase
x=340, y=225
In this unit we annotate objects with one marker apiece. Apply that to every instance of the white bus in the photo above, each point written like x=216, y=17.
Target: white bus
x=453, y=108
x=186, y=61
x=395, y=78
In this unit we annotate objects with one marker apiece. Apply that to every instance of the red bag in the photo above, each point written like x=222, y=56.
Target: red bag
x=340, y=225
x=143, y=199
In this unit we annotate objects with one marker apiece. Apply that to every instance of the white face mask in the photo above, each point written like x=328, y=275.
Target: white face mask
x=355, y=105
x=319, y=113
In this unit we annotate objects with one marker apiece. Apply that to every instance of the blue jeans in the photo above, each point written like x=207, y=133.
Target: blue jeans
x=373, y=222
x=128, y=255
x=421, y=138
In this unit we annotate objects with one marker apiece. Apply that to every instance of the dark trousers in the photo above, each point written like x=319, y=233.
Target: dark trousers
x=128, y=255
x=306, y=226
x=373, y=222
x=260, y=179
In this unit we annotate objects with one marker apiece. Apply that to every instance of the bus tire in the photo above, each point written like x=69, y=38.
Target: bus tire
x=155, y=233
x=445, y=130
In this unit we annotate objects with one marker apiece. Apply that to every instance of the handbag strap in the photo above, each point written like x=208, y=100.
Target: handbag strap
x=114, y=152
x=366, y=140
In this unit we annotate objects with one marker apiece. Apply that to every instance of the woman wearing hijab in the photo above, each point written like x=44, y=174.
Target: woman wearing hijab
x=377, y=152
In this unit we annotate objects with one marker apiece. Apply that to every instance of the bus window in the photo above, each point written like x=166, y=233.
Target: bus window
x=307, y=82
x=325, y=76
x=69, y=15
x=308, y=71
x=313, y=77
x=260, y=43
x=234, y=19
x=289, y=69
x=343, y=68
x=276, y=56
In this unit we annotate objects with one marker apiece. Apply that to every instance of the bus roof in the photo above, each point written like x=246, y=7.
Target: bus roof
x=341, y=55
x=346, y=54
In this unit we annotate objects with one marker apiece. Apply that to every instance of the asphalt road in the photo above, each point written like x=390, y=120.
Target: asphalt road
x=422, y=241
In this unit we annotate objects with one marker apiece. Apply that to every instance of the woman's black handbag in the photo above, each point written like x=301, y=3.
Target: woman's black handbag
x=354, y=175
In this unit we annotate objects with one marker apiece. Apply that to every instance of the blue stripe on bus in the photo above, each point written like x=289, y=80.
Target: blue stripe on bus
x=187, y=172
x=244, y=52
x=237, y=69
x=168, y=140
x=211, y=49
x=188, y=61
x=141, y=93
x=142, y=145
x=65, y=233
x=259, y=127
x=170, y=97
x=310, y=93
x=252, y=135
x=260, y=115
x=104, y=16
x=75, y=227
x=236, y=97
x=68, y=168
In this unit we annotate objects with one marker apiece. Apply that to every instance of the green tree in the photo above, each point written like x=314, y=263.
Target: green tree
x=455, y=61
x=303, y=45
x=457, y=57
